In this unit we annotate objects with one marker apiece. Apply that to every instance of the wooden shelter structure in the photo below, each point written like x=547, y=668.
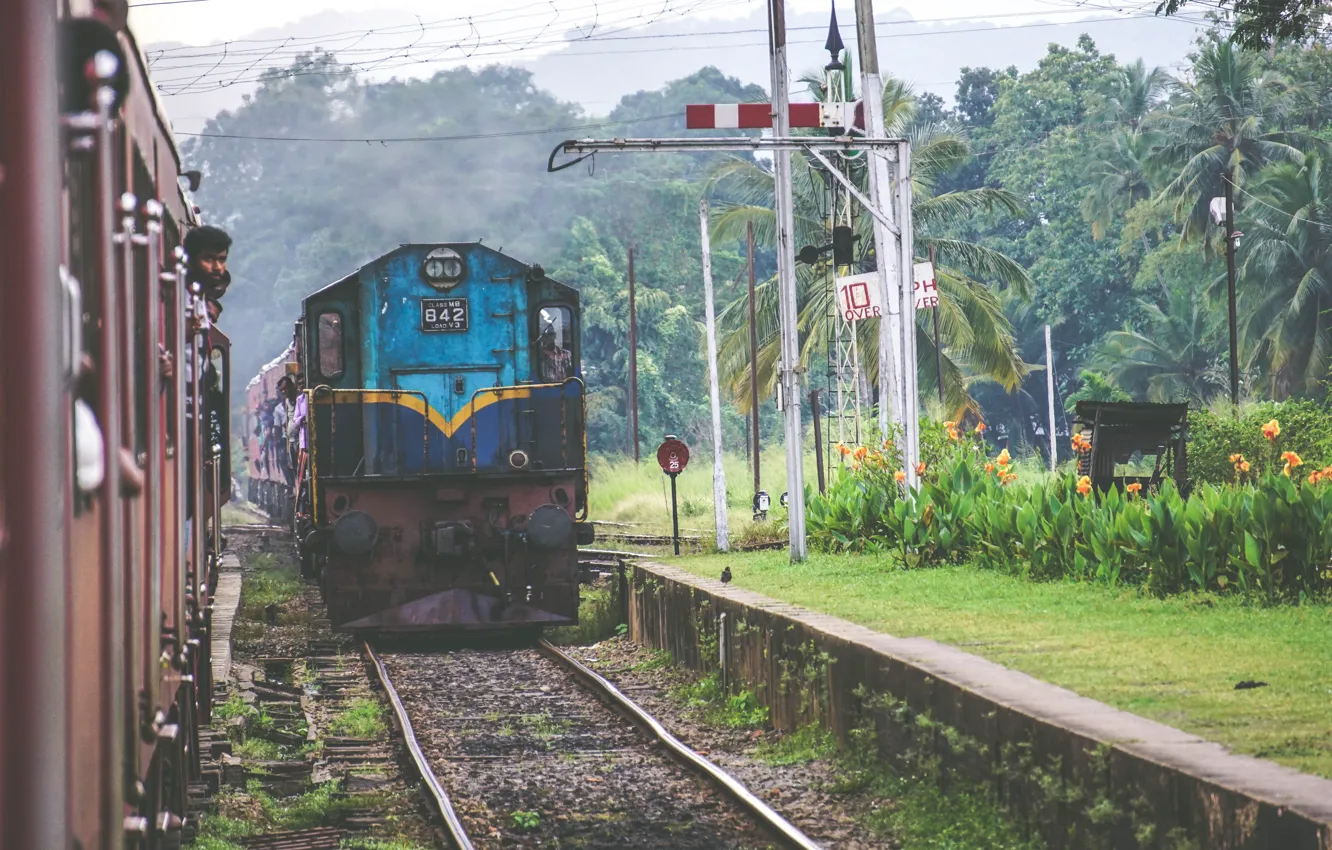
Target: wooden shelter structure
x=1125, y=433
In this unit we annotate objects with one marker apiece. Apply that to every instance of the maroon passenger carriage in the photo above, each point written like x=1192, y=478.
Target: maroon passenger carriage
x=104, y=598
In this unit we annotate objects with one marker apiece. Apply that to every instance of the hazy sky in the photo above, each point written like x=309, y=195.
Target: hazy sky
x=210, y=21
x=206, y=54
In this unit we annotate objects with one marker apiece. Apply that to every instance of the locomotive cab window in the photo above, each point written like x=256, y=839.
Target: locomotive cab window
x=330, y=345
x=554, y=344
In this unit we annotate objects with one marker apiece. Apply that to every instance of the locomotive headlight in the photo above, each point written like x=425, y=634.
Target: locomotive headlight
x=443, y=268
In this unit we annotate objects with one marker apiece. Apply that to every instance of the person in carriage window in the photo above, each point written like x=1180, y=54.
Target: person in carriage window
x=555, y=361
x=207, y=248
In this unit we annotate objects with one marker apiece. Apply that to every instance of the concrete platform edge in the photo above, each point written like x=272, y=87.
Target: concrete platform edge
x=1154, y=786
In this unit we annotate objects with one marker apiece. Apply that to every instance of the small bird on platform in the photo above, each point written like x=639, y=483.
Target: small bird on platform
x=726, y=575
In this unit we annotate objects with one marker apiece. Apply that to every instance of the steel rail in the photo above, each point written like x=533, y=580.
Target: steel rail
x=792, y=836
x=456, y=831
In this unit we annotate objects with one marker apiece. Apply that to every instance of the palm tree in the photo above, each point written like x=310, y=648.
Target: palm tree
x=1287, y=272
x=977, y=339
x=1219, y=124
x=1171, y=358
x=1121, y=174
x=1130, y=95
x=1095, y=387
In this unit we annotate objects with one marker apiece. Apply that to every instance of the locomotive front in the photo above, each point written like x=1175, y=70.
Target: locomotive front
x=446, y=482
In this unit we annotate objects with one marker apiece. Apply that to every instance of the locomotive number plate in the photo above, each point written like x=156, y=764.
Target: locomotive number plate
x=443, y=314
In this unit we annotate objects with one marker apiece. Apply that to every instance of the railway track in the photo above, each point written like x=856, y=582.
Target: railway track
x=526, y=747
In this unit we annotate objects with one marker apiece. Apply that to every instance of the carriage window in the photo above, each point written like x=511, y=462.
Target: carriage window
x=555, y=343
x=330, y=345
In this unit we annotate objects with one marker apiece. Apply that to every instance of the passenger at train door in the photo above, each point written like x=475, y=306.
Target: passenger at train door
x=207, y=248
x=284, y=413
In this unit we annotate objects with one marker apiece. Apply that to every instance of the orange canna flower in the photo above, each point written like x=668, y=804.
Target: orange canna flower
x=1236, y=458
x=843, y=449
x=1244, y=466
x=861, y=452
x=920, y=468
x=887, y=444
x=989, y=467
x=1004, y=458
x=899, y=476
x=1007, y=478
x=1272, y=430
x=1084, y=485
x=980, y=427
x=1134, y=488
x=1315, y=477
x=950, y=424
x=1291, y=459
x=953, y=435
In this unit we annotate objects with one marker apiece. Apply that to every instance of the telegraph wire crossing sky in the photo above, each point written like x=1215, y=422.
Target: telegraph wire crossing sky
x=214, y=21
x=206, y=54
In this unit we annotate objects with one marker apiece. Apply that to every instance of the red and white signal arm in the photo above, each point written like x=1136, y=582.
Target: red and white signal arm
x=859, y=296
x=673, y=456
x=926, y=287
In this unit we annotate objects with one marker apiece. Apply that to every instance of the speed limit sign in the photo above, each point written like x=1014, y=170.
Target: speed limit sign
x=673, y=456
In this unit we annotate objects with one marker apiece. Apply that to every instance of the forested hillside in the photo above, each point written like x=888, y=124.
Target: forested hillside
x=1074, y=194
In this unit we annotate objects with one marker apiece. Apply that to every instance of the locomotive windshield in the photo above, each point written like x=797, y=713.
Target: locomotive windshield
x=554, y=343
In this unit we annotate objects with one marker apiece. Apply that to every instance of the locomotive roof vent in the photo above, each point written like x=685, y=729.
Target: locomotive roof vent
x=443, y=268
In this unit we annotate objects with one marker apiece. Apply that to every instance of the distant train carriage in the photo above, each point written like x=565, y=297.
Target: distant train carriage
x=268, y=464
x=446, y=481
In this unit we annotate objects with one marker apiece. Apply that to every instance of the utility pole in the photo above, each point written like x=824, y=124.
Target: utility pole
x=633, y=357
x=909, y=372
x=818, y=437
x=1049, y=392
x=892, y=396
x=938, y=349
x=714, y=386
x=789, y=367
x=1230, y=286
x=753, y=358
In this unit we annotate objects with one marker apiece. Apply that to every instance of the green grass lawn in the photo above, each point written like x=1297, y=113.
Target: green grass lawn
x=1175, y=660
x=641, y=495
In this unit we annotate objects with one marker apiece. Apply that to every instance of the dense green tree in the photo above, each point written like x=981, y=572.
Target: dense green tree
x=1170, y=355
x=1130, y=93
x=1261, y=22
x=1287, y=269
x=1226, y=119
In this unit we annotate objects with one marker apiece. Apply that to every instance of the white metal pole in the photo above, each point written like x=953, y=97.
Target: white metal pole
x=907, y=292
x=1049, y=391
x=714, y=388
x=885, y=243
x=783, y=207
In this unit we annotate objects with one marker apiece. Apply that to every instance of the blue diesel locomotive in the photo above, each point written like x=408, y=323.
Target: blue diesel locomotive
x=440, y=467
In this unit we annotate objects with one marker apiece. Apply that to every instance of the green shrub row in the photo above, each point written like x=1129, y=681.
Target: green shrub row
x=1306, y=429
x=1271, y=537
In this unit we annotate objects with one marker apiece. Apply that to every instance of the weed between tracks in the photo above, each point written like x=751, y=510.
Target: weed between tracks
x=363, y=718
x=278, y=778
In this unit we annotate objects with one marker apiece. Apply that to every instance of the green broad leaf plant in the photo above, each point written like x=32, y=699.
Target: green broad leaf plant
x=1266, y=533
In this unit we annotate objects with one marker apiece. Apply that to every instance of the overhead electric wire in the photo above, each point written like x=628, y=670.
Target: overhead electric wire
x=355, y=68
